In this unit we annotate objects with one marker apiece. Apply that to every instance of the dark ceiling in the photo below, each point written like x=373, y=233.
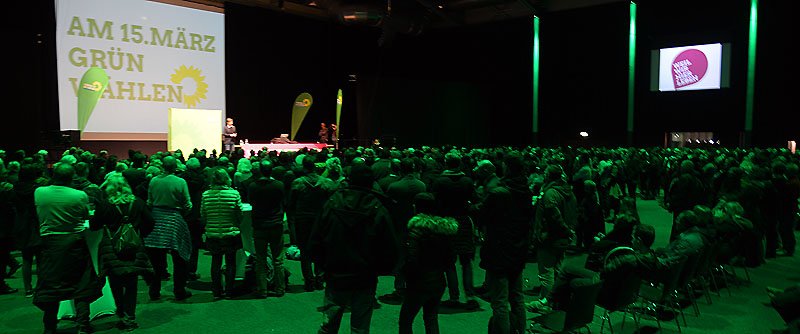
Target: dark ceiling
x=413, y=15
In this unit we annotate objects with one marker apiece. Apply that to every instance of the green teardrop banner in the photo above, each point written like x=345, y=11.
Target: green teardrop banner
x=93, y=84
x=299, y=110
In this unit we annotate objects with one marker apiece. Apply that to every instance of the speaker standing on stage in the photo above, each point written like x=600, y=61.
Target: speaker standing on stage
x=228, y=134
x=334, y=136
x=323, y=133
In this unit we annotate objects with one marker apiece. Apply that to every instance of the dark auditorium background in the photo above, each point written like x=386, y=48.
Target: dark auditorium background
x=465, y=84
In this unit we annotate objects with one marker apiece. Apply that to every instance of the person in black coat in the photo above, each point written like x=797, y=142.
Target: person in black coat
x=196, y=181
x=64, y=270
x=685, y=191
x=429, y=253
x=122, y=269
x=403, y=192
x=228, y=136
x=353, y=241
x=506, y=216
x=7, y=217
x=26, y=227
x=266, y=196
x=453, y=191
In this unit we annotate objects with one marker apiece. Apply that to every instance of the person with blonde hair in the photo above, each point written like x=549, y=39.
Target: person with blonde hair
x=243, y=176
x=221, y=210
x=120, y=207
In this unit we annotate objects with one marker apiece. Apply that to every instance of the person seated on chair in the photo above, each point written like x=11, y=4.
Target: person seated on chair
x=640, y=260
x=620, y=235
x=693, y=235
x=730, y=225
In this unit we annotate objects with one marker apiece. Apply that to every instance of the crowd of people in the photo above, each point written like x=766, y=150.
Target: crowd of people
x=359, y=213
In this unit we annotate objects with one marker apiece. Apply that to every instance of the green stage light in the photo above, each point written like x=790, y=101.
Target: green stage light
x=751, y=69
x=631, y=69
x=535, y=76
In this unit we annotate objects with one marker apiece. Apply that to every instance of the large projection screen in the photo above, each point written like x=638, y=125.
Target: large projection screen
x=693, y=67
x=158, y=56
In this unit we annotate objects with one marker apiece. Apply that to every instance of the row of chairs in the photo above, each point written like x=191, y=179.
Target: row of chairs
x=697, y=273
x=631, y=294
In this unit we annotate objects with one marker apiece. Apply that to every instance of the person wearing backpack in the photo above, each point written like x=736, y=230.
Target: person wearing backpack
x=354, y=242
x=124, y=218
x=306, y=198
x=221, y=210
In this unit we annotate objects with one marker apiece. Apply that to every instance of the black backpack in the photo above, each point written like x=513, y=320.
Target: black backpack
x=126, y=241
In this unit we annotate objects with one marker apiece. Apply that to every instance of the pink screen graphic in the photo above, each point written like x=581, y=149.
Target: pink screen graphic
x=688, y=68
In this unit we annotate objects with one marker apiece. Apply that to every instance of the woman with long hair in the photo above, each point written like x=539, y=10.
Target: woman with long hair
x=120, y=207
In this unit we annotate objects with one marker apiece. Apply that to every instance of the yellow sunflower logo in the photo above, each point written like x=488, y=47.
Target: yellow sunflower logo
x=191, y=100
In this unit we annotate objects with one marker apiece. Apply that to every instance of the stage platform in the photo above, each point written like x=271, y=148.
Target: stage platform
x=280, y=147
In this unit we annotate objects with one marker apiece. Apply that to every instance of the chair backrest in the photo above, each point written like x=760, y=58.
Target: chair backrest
x=671, y=279
x=617, y=251
x=580, y=311
x=708, y=258
x=690, y=267
x=620, y=287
